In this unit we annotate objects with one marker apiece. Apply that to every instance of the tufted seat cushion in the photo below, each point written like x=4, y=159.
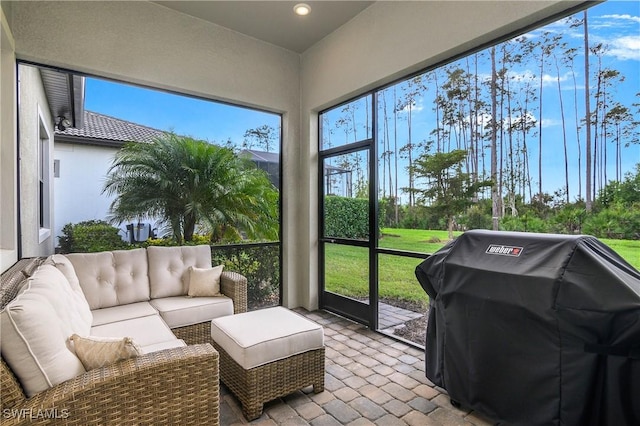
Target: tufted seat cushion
x=112, y=278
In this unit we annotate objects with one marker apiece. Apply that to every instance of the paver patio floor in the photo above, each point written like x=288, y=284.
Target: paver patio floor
x=370, y=379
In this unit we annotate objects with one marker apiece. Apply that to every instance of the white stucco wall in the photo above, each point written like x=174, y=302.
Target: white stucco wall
x=8, y=149
x=34, y=113
x=83, y=170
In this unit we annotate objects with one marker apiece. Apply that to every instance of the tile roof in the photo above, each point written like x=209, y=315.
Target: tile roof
x=268, y=157
x=103, y=127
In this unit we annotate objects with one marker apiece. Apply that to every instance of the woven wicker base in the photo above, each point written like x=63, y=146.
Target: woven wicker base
x=264, y=383
x=194, y=334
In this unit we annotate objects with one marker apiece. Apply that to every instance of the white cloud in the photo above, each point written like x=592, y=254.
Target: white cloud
x=550, y=122
x=613, y=21
x=525, y=75
x=625, y=17
x=625, y=48
x=548, y=79
x=417, y=105
x=517, y=119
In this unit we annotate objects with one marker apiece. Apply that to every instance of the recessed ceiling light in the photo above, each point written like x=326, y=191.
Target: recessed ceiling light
x=302, y=9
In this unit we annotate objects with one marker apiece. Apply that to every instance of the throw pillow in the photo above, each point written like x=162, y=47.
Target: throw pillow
x=204, y=281
x=96, y=352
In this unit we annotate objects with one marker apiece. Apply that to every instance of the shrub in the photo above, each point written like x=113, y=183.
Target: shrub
x=346, y=217
x=475, y=218
x=569, y=219
x=616, y=221
x=90, y=236
x=198, y=239
x=524, y=223
x=259, y=264
x=420, y=217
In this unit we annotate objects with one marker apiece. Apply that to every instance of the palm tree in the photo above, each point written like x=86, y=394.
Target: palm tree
x=189, y=183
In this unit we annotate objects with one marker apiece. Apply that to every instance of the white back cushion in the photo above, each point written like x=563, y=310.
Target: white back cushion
x=169, y=268
x=112, y=278
x=35, y=328
x=66, y=267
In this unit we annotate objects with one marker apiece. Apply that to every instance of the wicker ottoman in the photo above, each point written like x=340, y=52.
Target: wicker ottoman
x=267, y=354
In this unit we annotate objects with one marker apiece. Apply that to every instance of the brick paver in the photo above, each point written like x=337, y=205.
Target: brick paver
x=370, y=379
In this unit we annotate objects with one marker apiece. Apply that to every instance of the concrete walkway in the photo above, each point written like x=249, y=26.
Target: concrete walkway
x=370, y=379
x=391, y=317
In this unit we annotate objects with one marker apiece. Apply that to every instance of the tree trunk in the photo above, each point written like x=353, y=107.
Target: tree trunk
x=395, y=156
x=495, y=207
x=189, y=227
x=588, y=187
x=564, y=133
x=575, y=107
x=450, y=227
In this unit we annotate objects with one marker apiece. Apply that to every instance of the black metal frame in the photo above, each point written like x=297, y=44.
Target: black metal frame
x=365, y=313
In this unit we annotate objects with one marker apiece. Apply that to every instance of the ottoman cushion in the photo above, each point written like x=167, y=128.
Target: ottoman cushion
x=260, y=337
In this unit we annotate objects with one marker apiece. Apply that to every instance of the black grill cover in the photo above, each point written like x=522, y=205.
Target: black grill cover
x=535, y=329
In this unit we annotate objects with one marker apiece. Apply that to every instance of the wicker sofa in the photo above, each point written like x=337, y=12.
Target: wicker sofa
x=174, y=381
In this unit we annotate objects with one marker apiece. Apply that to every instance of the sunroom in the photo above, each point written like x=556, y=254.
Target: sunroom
x=174, y=51
x=240, y=53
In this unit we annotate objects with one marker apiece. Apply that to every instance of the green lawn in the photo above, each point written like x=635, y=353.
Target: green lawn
x=629, y=250
x=347, y=267
x=414, y=239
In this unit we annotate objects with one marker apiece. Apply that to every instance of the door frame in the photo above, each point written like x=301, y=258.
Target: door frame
x=364, y=313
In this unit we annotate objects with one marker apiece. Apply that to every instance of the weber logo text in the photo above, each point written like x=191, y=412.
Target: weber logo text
x=504, y=250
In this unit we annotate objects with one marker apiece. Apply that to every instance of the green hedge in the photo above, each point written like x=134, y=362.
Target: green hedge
x=346, y=217
x=89, y=237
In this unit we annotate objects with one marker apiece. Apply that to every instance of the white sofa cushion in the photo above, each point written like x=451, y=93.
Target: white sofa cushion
x=36, y=326
x=169, y=268
x=259, y=337
x=122, y=312
x=177, y=343
x=145, y=331
x=65, y=266
x=112, y=278
x=180, y=311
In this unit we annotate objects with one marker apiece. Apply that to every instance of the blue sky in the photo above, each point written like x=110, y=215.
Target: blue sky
x=198, y=118
x=614, y=23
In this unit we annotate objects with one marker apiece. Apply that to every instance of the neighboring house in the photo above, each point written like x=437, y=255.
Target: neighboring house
x=337, y=180
x=267, y=161
x=82, y=157
x=47, y=99
x=63, y=172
